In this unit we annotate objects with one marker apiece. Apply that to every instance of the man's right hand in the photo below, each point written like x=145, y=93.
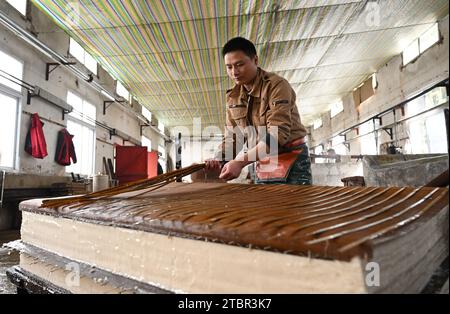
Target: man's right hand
x=212, y=165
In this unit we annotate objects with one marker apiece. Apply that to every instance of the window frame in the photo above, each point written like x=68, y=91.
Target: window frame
x=149, y=148
x=317, y=126
x=90, y=126
x=84, y=56
x=19, y=91
x=419, y=48
x=421, y=37
x=128, y=98
x=9, y=92
x=334, y=113
x=10, y=2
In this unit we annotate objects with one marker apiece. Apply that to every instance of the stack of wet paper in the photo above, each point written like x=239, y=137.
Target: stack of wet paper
x=233, y=238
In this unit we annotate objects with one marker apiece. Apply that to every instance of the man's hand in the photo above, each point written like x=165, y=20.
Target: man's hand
x=232, y=170
x=212, y=165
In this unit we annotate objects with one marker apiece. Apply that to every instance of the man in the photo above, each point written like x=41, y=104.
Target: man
x=261, y=99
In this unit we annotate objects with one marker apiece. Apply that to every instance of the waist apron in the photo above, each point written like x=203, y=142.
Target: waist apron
x=290, y=167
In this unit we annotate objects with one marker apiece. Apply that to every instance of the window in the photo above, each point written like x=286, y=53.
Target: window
x=82, y=110
x=429, y=38
x=419, y=45
x=427, y=132
x=367, y=140
x=146, y=113
x=19, y=5
x=162, y=150
x=145, y=141
x=122, y=91
x=436, y=97
x=336, y=108
x=363, y=92
x=337, y=143
x=9, y=109
x=317, y=123
x=90, y=63
x=82, y=55
x=411, y=52
x=81, y=124
x=162, y=159
x=431, y=99
x=161, y=126
x=13, y=67
x=8, y=137
x=318, y=150
x=374, y=81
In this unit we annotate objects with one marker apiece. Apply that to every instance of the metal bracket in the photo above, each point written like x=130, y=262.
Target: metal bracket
x=51, y=66
x=64, y=112
x=107, y=103
x=402, y=110
x=143, y=126
x=347, y=145
x=389, y=131
x=379, y=120
x=111, y=133
x=29, y=95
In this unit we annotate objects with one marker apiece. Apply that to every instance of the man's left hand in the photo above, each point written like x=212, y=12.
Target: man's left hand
x=231, y=170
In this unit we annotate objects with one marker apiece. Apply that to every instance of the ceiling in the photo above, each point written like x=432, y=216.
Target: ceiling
x=167, y=53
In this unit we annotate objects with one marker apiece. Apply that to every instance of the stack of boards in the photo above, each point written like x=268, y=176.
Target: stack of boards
x=235, y=238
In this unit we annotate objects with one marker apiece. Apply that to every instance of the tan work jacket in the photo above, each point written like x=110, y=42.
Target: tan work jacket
x=272, y=103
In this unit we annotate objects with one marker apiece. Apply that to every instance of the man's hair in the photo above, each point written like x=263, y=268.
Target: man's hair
x=239, y=44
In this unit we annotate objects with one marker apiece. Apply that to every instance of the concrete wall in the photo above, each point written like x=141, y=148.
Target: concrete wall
x=395, y=84
x=382, y=170
x=61, y=81
x=403, y=170
x=330, y=174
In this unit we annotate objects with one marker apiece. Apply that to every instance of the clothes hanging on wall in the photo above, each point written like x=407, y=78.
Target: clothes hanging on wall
x=35, y=143
x=65, y=149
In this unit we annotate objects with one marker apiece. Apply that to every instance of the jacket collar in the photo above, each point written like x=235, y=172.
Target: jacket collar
x=239, y=90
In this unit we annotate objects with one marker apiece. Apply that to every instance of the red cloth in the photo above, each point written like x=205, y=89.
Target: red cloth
x=65, y=149
x=35, y=143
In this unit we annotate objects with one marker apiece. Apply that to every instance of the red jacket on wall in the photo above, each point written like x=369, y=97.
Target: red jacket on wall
x=35, y=143
x=65, y=149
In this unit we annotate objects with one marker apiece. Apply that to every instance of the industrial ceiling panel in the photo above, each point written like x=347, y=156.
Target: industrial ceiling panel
x=344, y=70
x=168, y=52
x=371, y=46
x=183, y=86
x=327, y=87
x=309, y=104
x=296, y=75
x=282, y=56
x=181, y=10
x=379, y=15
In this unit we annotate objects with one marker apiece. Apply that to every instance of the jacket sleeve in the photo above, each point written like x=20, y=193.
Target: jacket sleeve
x=281, y=103
x=72, y=151
x=227, y=149
x=59, y=147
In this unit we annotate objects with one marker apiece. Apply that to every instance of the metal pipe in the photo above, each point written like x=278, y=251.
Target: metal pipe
x=393, y=108
x=39, y=45
x=16, y=80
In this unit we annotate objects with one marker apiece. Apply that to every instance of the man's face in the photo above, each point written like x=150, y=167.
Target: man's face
x=241, y=68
